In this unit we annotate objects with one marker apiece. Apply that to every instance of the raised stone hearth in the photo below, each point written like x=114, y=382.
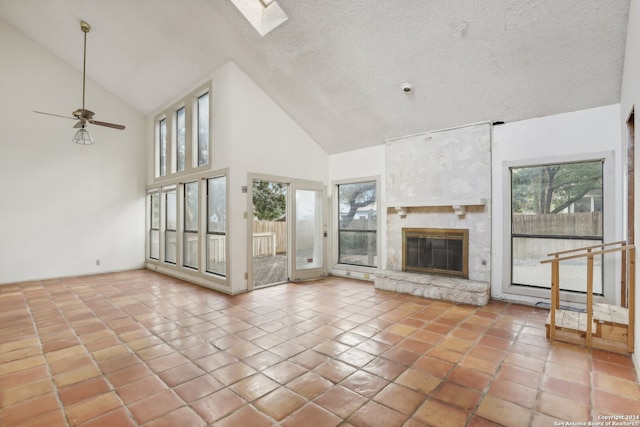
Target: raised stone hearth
x=436, y=287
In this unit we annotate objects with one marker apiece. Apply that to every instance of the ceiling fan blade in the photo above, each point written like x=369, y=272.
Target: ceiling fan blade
x=55, y=115
x=109, y=125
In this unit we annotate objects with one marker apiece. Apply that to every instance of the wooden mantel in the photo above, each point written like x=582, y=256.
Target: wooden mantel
x=459, y=206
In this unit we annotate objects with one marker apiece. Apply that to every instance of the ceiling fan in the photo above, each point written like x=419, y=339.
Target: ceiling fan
x=82, y=115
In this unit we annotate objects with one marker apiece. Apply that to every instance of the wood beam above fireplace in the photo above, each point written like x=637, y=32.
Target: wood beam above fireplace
x=459, y=206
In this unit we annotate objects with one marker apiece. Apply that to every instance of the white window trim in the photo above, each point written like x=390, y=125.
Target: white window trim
x=205, y=224
x=189, y=102
x=610, y=278
x=156, y=146
x=198, y=276
x=335, y=265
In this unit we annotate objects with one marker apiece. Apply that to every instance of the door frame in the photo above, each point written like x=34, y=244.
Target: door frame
x=630, y=175
x=317, y=272
x=292, y=183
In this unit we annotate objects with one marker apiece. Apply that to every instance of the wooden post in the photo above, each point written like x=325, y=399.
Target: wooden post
x=623, y=279
x=632, y=299
x=589, y=297
x=554, y=298
x=556, y=280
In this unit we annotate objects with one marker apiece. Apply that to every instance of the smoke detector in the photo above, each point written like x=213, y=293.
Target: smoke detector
x=407, y=87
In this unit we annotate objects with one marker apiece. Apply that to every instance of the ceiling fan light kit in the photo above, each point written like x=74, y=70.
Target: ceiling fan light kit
x=82, y=115
x=82, y=137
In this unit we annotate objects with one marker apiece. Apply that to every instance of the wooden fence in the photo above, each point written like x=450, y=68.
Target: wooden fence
x=573, y=224
x=278, y=228
x=530, y=250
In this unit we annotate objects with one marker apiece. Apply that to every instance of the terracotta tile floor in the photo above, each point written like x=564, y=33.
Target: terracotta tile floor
x=139, y=348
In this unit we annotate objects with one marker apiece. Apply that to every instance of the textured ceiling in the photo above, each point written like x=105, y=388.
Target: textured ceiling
x=336, y=66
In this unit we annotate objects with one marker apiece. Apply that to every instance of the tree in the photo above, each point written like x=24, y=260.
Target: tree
x=550, y=189
x=269, y=200
x=353, y=197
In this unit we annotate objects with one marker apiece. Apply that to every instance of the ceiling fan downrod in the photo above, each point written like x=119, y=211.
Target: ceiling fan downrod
x=85, y=27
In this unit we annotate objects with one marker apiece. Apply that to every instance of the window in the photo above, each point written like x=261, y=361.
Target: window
x=162, y=147
x=358, y=224
x=555, y=207
x=170, y=243
x=203, y=129
x=183, y=136
x=154, y=231
x=181, y=139
x=190, y=237
x=216, y=225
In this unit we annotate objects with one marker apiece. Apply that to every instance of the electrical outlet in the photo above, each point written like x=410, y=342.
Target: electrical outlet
x=97, y=262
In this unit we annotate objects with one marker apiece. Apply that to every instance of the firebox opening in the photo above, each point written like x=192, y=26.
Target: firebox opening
x=443, y=251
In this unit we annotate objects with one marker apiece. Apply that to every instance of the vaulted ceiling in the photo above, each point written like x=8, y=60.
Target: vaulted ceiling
x=337, y=66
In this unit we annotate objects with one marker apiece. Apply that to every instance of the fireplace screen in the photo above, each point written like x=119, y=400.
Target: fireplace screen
x=436, y=251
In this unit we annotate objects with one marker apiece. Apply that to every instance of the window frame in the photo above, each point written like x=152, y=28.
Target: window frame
x=191, y=137
x=161, y=147
x=223, y=233
x=189, y=231
x=177, y=164
x=336, y=264
x=608, y=226
x=154, y=195
x=198, y=143
x=165, y=193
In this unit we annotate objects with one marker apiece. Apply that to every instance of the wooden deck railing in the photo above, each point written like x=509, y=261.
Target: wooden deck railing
x=627, y=272
x=263, y=244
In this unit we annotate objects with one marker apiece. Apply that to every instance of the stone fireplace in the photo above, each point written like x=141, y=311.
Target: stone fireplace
x=439, y=181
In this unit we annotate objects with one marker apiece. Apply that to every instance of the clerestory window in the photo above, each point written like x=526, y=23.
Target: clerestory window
x=183, y=136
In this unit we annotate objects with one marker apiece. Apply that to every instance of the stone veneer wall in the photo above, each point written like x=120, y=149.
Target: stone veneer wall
x=449, y=165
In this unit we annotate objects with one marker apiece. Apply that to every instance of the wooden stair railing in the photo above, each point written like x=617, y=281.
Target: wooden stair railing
x=627, y=269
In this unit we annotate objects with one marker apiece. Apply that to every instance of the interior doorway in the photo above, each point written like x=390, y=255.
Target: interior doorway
x=269, y=233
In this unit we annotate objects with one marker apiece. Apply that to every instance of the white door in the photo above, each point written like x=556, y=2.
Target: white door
x=308, y=232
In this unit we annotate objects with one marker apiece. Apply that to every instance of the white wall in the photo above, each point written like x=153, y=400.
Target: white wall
x=554, y=137
x=64, y=206
x=353, y=165
x=630, y=98
x=264, y=140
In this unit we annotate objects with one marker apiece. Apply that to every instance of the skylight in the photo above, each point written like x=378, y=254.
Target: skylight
x=264, y=15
